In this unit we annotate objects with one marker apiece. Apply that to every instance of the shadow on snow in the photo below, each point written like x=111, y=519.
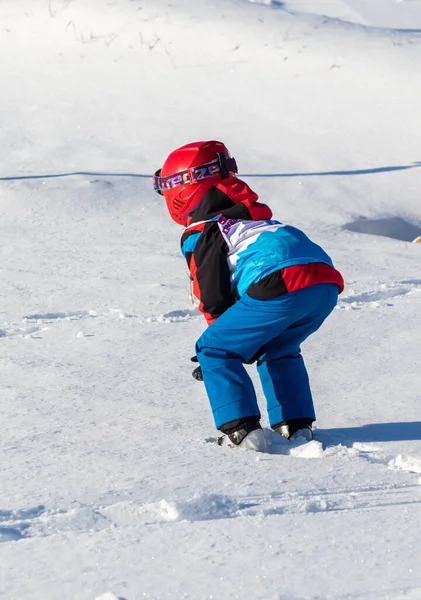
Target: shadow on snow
x=373, y=432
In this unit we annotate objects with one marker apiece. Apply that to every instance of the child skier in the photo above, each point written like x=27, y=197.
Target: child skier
x=263, y=288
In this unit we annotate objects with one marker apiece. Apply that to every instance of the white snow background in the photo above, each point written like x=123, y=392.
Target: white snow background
x=110, y=485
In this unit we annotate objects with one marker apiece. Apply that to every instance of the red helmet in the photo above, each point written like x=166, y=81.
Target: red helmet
x=189, y=173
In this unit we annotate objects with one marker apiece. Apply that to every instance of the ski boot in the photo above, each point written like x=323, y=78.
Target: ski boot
x=295, y=429
x=246, y=433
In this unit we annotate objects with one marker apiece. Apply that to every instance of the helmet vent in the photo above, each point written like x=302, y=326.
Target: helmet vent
x=178, y=204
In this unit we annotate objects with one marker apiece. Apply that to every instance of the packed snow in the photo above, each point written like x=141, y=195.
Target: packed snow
x=111, y=485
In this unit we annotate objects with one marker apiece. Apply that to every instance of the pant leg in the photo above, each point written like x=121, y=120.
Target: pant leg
x=228, y=386
x=286, y=387
x=235, y=338
x=281, y=367
x=221, y=350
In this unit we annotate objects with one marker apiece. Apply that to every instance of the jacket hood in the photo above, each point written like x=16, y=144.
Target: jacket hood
x=232, y=198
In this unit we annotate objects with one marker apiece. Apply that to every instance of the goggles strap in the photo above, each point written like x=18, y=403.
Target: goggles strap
x=226, y=165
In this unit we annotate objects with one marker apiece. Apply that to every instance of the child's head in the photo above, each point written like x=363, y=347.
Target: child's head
x=189, y=173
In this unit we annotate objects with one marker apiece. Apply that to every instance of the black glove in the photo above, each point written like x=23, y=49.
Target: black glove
x=197, y=372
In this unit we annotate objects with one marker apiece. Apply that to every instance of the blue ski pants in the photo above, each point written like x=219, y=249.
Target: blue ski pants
x=274, y=330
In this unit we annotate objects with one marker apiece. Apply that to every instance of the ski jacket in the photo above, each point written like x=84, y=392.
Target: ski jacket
x=233, y=247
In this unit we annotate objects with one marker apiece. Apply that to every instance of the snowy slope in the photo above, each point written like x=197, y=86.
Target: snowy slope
x=110, y=485
x=388, y=14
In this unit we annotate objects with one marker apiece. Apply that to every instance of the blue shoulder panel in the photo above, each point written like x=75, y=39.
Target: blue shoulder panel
x=190, y=244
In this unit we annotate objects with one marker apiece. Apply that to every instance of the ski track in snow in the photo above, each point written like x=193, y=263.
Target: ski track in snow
x=43, y=321
x=40, y=521
x=381, y=297
x=39, y=322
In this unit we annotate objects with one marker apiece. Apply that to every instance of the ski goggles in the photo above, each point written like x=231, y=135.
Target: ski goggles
x=222, y=165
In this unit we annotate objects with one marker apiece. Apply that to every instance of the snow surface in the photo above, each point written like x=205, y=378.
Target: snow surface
x=110, y=485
